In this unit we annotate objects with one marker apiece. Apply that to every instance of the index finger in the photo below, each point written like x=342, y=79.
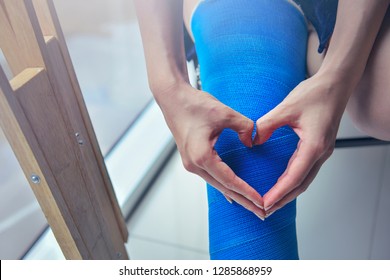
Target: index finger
x=297, y=170
x=225, y=175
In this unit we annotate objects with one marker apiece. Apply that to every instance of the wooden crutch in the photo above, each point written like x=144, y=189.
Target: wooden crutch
x=44, y=117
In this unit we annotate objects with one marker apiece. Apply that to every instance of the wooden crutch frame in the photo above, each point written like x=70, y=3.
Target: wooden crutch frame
x=44, y=117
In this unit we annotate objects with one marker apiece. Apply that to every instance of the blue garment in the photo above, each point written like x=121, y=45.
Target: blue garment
x=250, y=58
x=322, y=14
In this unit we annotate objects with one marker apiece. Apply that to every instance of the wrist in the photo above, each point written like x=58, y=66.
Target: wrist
x=171, y=93
x=339, y=77
x=331, y=88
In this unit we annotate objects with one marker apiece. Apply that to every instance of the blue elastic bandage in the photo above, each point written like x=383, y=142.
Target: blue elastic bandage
x=252, y=53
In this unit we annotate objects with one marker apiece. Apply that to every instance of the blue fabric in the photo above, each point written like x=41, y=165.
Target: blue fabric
x=322, y=14
x=252, y=53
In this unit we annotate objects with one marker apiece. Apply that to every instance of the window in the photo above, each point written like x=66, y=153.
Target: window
x=105, y=46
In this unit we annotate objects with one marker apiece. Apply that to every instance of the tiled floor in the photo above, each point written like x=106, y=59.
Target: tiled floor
x=343, y=215
x=171, y=221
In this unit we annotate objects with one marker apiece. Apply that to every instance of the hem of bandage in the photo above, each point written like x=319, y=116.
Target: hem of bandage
x=256, y=238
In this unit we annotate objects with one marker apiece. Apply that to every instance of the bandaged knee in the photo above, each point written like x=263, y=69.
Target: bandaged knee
x=251, y=53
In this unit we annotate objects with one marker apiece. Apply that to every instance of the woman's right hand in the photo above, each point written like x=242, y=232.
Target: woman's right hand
x=196, y=119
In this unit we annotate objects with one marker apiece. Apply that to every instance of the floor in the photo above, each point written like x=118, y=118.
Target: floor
x=343, y=215
x=171, y=221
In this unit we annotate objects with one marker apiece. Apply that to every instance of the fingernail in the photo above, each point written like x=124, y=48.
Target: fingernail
x=229, y=199
x=258, y=205
x=249, y=143
x=260, y=217
x=269, y=214
x=269, y=207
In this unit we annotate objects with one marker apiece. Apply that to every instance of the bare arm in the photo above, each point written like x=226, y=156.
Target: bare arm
x=357, y=25
x=161, y=24
x=195, y=118
x=315, y=107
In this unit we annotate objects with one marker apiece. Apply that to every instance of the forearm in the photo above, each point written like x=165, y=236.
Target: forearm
x=161, y=25
x=357, y=25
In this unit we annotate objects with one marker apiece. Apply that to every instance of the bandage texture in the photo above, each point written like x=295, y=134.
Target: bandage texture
x=252, y=53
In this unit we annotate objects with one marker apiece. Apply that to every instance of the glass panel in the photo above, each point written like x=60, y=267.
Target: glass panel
x=106, y=50
x=105, y=45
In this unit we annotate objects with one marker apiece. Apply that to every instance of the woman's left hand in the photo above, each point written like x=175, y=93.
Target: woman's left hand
x=313, y=110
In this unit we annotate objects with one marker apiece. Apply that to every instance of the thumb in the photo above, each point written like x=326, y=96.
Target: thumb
x=242, y=125
x=268, y=123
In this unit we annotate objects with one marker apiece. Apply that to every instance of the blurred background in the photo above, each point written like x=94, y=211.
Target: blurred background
x=343, y=215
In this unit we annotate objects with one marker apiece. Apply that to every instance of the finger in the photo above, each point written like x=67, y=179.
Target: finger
x=290, y=161
x=207, y=159
x=268, y=123
x=222, y=173
x=240, y=199
x=242, y=125
x=298, y=168
x=297, y=191
x=228, y=198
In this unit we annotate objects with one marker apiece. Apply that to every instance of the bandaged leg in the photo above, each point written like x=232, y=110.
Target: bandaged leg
x=252, y=53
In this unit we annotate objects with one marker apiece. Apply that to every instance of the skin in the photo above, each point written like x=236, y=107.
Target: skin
x=195, y=137
x=315, y=107
x=352, y=75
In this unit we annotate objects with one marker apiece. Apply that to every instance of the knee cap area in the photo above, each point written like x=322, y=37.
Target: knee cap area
x=371, y=121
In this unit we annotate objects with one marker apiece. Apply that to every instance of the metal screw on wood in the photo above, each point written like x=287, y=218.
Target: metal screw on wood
x=119, y=255
x=35, y=179
x=80, y=141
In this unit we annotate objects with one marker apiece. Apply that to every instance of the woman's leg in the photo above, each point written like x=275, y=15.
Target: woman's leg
x=314, y=59
x=369, y=105
x=252, y=53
